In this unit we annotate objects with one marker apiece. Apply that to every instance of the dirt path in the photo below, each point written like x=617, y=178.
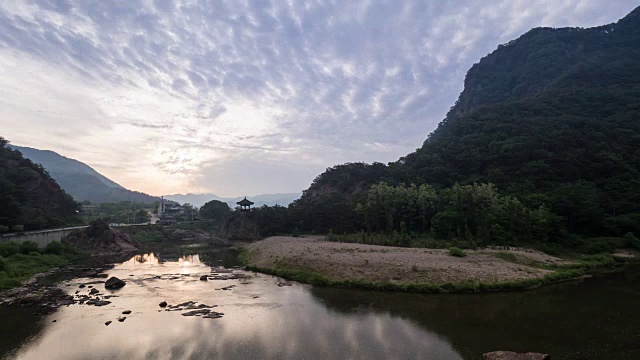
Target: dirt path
x=372, y=263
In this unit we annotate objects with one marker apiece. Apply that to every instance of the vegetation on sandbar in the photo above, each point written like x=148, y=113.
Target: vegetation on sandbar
x=20, y=261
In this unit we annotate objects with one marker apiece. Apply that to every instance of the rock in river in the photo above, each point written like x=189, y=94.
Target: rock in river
x=203, y=278
x=114, y=283
x=163, y=304
x=96, y=302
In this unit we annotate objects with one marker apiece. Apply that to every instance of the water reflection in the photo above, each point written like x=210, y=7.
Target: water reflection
x=593, y=319
x=186, y=261
x=146, y=259
x=261, y=320
x=152, y=259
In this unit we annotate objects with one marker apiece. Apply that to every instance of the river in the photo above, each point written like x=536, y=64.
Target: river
x=268, y=318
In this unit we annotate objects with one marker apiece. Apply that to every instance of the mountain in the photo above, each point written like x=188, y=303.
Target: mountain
x=552, y=118
x=29, y=196
x=265, y=199
x=80, y=180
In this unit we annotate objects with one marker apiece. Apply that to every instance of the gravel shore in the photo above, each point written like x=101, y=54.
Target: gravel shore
x=372, y=263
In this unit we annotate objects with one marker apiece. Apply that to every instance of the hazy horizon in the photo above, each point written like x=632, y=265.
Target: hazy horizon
x=258, y=98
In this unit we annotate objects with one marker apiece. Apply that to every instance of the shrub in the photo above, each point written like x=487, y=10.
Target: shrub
x=4, y=229
x=3, y=264
x=9, y=248
x=632, y=240
x=54, y=247
x=597, y=246
x=18, y=228
x=9, y=283
x=457, y=252
x=27, y=247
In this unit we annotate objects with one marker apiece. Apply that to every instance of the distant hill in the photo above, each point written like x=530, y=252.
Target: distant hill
x=29, y=196
x=259, y=200
x=80, y=180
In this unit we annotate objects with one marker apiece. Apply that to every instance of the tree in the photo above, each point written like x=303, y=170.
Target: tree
x=215, y=210
x=142, y=216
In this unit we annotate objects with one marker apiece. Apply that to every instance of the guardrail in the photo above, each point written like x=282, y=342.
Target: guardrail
x=43, y=237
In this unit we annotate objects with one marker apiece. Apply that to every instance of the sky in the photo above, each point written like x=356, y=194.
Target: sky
x=248, y=97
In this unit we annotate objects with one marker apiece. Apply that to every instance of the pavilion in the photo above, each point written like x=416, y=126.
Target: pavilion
x=245, y=205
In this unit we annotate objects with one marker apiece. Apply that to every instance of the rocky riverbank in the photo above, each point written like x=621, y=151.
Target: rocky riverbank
x=42, y=295
x=321, y=262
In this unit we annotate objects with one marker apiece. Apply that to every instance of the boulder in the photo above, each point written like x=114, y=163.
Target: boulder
x=114, y=283
x=508, y=355
x=203, y=278
x=96, y=302
x=163, y=304
x=31, y=298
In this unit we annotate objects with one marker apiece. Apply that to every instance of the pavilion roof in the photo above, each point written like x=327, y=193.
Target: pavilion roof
x=245, y=202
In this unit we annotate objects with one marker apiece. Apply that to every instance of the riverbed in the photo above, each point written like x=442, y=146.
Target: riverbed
x=264, y=317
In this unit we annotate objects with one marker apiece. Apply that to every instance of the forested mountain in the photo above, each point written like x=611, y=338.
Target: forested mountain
x=552, y=118
x=80, y=180
x=29, y=197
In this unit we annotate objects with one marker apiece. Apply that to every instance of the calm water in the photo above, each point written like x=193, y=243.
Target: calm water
x=597, y=318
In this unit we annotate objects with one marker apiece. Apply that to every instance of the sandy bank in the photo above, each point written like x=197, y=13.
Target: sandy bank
x=393, y=265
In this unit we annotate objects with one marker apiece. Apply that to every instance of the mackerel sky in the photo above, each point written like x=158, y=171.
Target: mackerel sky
x=247, y=97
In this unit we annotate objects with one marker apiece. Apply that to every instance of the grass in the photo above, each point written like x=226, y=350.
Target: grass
x=577, y=262
x=507, y=257
x=299, y=273
x=560, y=272
x=19, y=262
x=393, y=239
x=468, y=286
x=587, y=262
x=244, y=256
x=21, y=267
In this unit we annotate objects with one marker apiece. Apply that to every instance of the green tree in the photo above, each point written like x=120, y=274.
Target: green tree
x=142, y=216
x=215, y=210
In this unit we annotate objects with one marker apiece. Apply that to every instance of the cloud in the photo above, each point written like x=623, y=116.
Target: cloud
x=184, y=85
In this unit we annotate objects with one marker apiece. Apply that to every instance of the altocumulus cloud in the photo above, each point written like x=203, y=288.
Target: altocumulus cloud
x=176, y=96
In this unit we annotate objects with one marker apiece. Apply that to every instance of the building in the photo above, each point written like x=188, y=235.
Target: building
x=172, y=212
x=245, y=205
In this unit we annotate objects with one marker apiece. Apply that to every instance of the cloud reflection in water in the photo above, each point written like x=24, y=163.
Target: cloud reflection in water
x=287, y=322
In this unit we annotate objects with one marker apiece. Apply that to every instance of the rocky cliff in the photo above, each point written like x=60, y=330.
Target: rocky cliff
x=239, y=226
x=100, y=239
